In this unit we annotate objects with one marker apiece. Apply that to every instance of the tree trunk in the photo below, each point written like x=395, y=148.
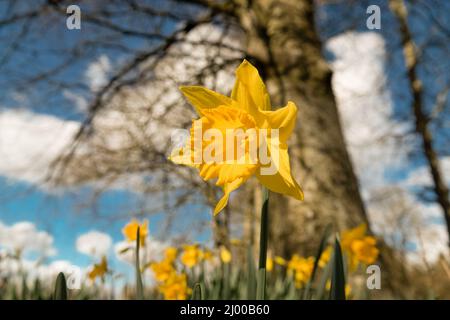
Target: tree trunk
x=283, y=43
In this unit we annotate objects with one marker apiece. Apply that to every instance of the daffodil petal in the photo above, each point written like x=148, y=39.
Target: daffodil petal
x=282, y=181
x=283, y=119
x=230, y=172
x=249, y=83
x=247, y=77
x=227, y=189
x=203, y=98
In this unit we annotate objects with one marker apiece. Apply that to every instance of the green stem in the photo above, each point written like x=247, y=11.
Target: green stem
x=139, y=285
x=261, y=283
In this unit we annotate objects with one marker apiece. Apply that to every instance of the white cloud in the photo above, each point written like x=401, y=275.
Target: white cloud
x=97, y=73
x=24, y=237
x=29, y=142
x=365, y=106
x=94, y=243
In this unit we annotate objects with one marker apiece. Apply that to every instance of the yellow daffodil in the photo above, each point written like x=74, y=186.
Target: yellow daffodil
x=225, y=255
x=280, y=261
x=207, y=255
x=191, y=255
x=325, y=257
x=301, y=268
x=99, y=270
x=248, y=109
x=348, y=290
x=269, y=264
x=348, y=236
x=170, y=254
x=365, y=250
x=162, y=270
x=130, y=231
x=175, y=287
x=235, y=242
x=359, y=247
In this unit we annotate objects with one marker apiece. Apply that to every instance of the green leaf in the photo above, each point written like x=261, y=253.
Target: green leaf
x=198, y=292
x=226, y=275
x=24, y=288
x=60, y=288
x=322, y=246
x=337, y=290
x=322, y=283
x=261, y=288
x=37, y=290
x=251, y=279
x=263, y=237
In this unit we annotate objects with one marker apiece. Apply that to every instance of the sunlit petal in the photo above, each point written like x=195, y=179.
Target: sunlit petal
x=250, y=85
x=282, y=181
x=227, y=189
x=283, y=119
x=203, y=98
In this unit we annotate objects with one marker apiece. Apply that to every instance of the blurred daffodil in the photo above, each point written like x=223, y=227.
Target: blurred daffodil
x=301, y=268
x=175, y=287
x=348, y=236
x=365, y=250
x=162, y=270
x=248, y=110
x=207, y=255
x=235, y=242
x=99, y=270
x=325, y=257
x=191, y=255
x=358, y=247
x=280, y=261
x=130, y=231
x=269, y=264
x=170, y=254
x=225, y=255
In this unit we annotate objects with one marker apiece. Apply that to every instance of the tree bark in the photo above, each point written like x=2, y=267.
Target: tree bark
x=284, y=44
x=421, y=121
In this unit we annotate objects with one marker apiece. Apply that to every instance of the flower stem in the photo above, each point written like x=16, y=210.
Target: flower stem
x=139, y=285
x=261, y=283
